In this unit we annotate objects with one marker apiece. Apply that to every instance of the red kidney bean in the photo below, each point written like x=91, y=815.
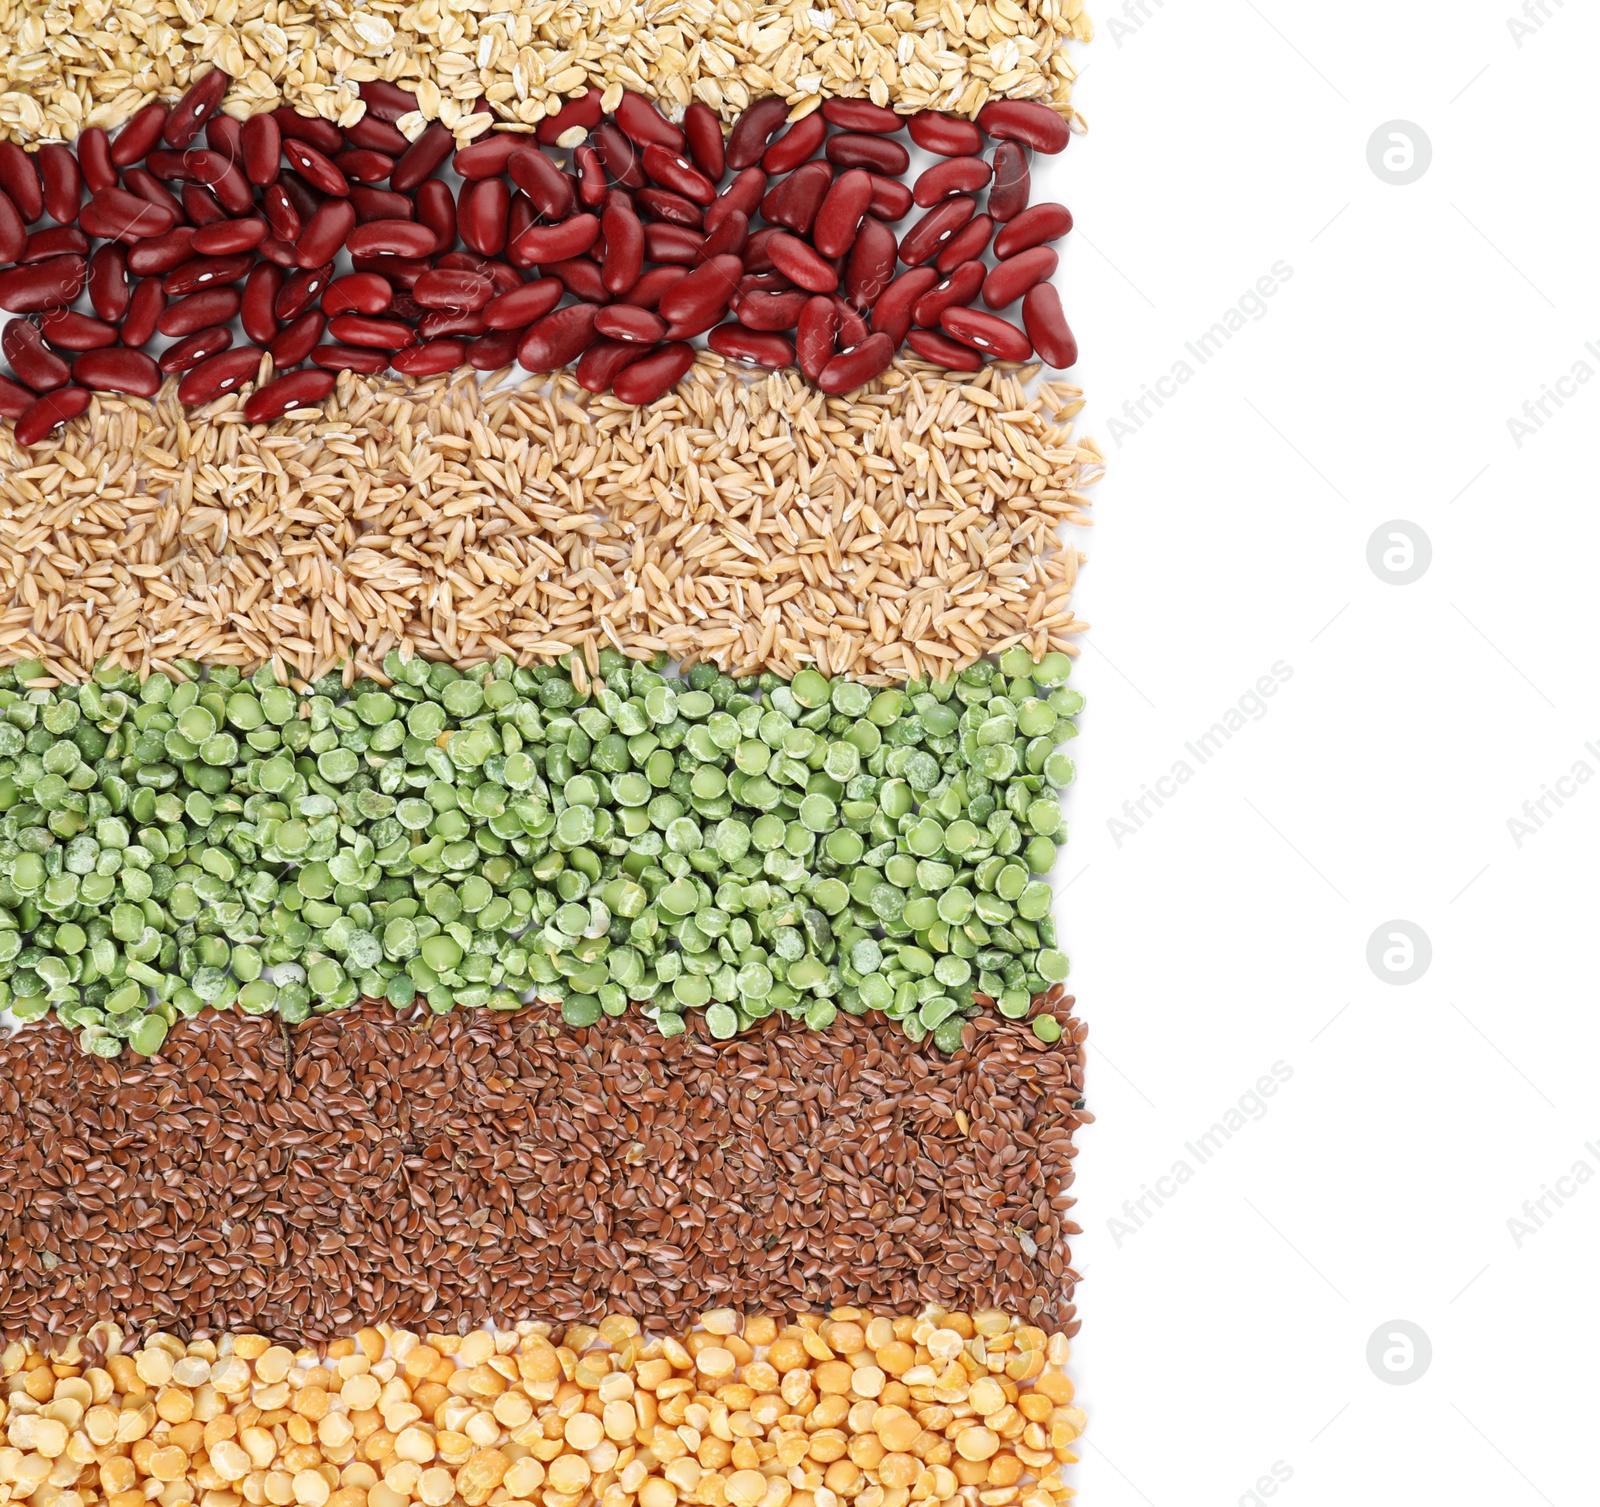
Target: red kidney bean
x=306, y=200
x=19, y=177
x=520, y=307
x=629, y=322
x=386, y=101
x=940, y=349
x=817, y=336
x=642, y=123
x=754, y=256
x=362, y=166
x=221, y=374
x=453, y=288
x=431, y=358
x=15, y=399
x=44, y=285
x=1034, y=125
x=1033, y=227
x=435, y=209
x=161, y=253
x=195, y=109
x=853, y=149
x=385, y=204
x=196, y=348
x=672, y=243
x=317, y=169
x=945, y=135
x=206, y=272
x=668, y=206
x=892, y=312
x=49, y=412
x=591, y=176
x=703, y=294
x=147, y=186
x=891, y=199
x=674, y=171
x=601, y=362
x=311, y=129
x=582, y=114
x=795, y=145
x=436, y=324
x=797, y=200
x=114, y=214
x=369, y=134
x=1016, y=274
x=487, y=157
x=400, y=271
x=555, y=243
x=13, y=233
x=624, y=238
x=300, y=291
x=858, y=366
x=167, y=167
x=31, y=359
x=279, y=253
x=199, y=311
x=648, y=291
x=966, y=245
x=955, y=175
x=581, y=278
x=800, y=264
x=959, y=287
x=326, y=233
x=358, y=293
x=655, y=375
x=728, y=238
x=117, y=371
x=558, y=339
x=261, y=291
x=58, y=240
x=771, y=311
x=744, y=194
x=763, y=282
x=702, y=131
x=297, y=339
x=349, y=358
x=109, y=289
x=230, y=236
x=301, y=389
x=94, y=159
x=758, y=347
x=199, y=204
x=224, y=178
x=133, y=142
x=63, y=183
x=261, y=143
x=619, y=156
x=419, y=160
x=225, y=134
x=853, y=329
x=862, y=115
x=753, y=130
x=839, y=219
x=481, y=218
x=392, y=238
x=988, y=333
x=363, y=329
x=144, y=309
x=282, y=214
x=922, y=242
x=1008, y=194
x=491, y=351
x=1047, y=327
x=542, y=181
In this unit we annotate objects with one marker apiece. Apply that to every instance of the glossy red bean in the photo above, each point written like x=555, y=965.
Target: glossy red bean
x=551, y=190
x=892, y=313
x=13, y=233
x=419, y=160
x=94, y=159
x=598, y=366
x=666, y=205
x=817, y=336
x=672, y=243
x=769, y=312
x=754, y=256
x=363, y=329
x=164, y=166
x=15, y=399
x=619, y=156
x=317, y=169
x=1022, y=120
x=987, y=333
x=702, y=130
x=554, y=243
x=50, y=412
x=402, y=238
x=624, y=237
x=1047, y=327
x=639, y=120
x=148, y=187
x=45, y=285
x=672, y=170
x=358, y=293
x=591, y=176
x=301, y=389
x=481, y=217
x=194, y=349
x=454, y=289
x=261, y=291
x=58, y=240
x=326, y=234
x=384, y=204
x=225, y=134
x=349, y=358
x=63, y=183
x=1016, y=274
x=853, y=329
x=31, y=359
x=282, y=214
x=206, y=272
x=361, y=166
x=200, y=206
x=923, y=241
x=438, y=324
x=939, y=348
x=955, y=175
x=261, y=147
x=297, y=339
x=580, y=277
x=967, y=245
x=519, y=308
x=862, y=115
x=796, y=201
x=19, y=177
x=558, y=339
x=629, y=322
x=300, y=291
x=1008, y=193
x=133, y=142
x=795, y=145
x=652, y=286
x=221, y=374
x=704, y=294
x=117, y=371
x=224, y=178
x=161, y=253
x=891, y=199
x=743, y=194
x=386, y=101
x=114, y=214
x=311, y=129
x=655, y=375
x=491, y=351
x=431, y=358
x=109, y=288
x=195, y=109
x=1035, y=226
x=876, y=153
x=959, y=287
x=757, y=347
x=753, y=130
x=199, y=311
x=436, y=211
x=144, y=309
x=369, y=134
x=945, y=135
x=581, y=114
x=279, y=253
x=839, y=219
x=800, y=264
x=488, y=155
x=228, y=237
x=856, y=367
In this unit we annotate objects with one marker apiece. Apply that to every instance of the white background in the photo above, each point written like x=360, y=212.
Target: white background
x=1228, y=1330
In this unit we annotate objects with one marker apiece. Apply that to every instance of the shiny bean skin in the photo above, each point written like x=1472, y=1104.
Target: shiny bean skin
x=652, y=285
x=230, y=236
x=15, y=399
x=601, y=362
x=674, y=171
x=955, y=175
x=386, y=101
x=207, y=271
x=31, y=359
x=118, y=371
x=877, y=153
x=109, y=289
x=855, y=368
x=300, y=291
x=301, y=389
x=966, y=245
x=591, y=176
x=551, y=190
x=19, y=177
x=418, y=162
x=402, y=238
x=624, y=235
x=744, y=194
x=195, y=109
x=754, y=130
x=619, y=156
x=891, y=199
x=144, y=309
x=923, y=241
x=853, y=329
x=133, y=142
x=493, y=350
x=862, y=115
x=666, y=205
x=297, y=339
x=987, y=333
x=729, y=237
x=311, y=129
x=555, y=243
x=580, y=115
x=369, y=134
x=114, y=214
x=63, y=182
x=1013, y=182
x=629, y=322
x=430, y=358
x=580, y=277
x=58, y=240
x=434, y=208
x=488, y=156
x=451, y=288
x=197, y=203
x=261, y=291
x=13, y=233
x=754, y=256
x=939, y=348
x=771, y=312
x=361, y=166
x=958, y=289
x=440, y=324
x=639, y=120
x=326, y=234
x=1022, y=120
x=45, y=285
x=816, y=337
x=261, y=144
x=1035, y=226
x=161, y=253
x=49, y=412
x=703, y=295
x=1010, y=279
x=1047, y=326
x=279, y=253
x=317, y=169
x=67, y=330
x=558, y=339
x=221, y=374
x=192, y=350
x=94, y=159
x=839, y=219
x=198, y=311
x=797, y=200
x=349, y=358
x=223, y=134
x=655, y=375
x=282, y=215
x=481, y=217
x=795, y=145
x=757, y=347
x=520, y=307
x=945, y=135
x=363, y=329
x=892, y=312
x=872, y=261
x=798, y=262
x=702, y=131
x=672, y=243
x=222, y=177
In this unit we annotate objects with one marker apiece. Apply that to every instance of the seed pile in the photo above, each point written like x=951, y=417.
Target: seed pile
x=72, y=66
x=757, y=525
x=485, y=1166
